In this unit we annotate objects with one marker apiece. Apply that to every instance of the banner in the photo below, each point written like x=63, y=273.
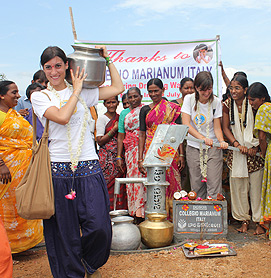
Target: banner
x=138, y=62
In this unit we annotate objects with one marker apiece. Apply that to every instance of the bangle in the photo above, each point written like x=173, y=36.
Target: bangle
x=108, y=61
x=234, y=142
x=118, y=157
x=109, y=134
x=182, y=155
x=75, y=96
x=140, y=160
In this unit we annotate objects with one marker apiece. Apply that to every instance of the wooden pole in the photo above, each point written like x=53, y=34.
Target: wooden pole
x=73, y=27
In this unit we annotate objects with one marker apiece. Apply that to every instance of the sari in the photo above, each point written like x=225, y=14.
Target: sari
x=165, y=112
x=263, y=122
x=136, y=192
x=15, y=149
x=108, y=154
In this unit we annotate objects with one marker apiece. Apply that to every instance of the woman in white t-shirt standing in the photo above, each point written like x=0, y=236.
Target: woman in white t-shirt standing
x=202, y=112
x=78, y=236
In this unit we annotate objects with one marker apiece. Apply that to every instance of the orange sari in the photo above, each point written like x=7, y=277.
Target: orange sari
x=15, y=149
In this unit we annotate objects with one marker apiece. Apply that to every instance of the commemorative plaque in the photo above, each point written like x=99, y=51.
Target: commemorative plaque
x=200, y=219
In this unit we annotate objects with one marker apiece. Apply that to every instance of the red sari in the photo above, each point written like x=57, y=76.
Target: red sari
x=108, y=154
x=136, y=192
x=165, y=112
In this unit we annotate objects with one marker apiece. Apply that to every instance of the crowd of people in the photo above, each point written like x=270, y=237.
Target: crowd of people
x=81, y=227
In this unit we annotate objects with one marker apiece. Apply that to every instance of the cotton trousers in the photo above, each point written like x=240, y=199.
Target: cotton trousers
x=243, y=189
x=80, y=232
x=214, y=172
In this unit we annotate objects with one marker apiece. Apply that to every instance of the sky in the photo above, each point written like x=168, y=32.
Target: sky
x=29, y=26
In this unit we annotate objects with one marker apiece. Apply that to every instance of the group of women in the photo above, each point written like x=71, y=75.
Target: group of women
x=81, y=227
x=232, y=122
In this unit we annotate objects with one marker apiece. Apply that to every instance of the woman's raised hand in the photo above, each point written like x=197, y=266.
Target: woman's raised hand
x=77, y=80
x=103, y=47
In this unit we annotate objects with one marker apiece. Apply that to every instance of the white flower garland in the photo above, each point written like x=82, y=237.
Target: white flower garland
x=204, y=158
x=74, y=158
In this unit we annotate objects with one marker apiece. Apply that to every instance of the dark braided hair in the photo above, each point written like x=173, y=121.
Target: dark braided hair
x=244, y=83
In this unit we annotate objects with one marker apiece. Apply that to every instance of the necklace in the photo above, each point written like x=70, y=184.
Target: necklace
x=74, y=157
x=204, y=157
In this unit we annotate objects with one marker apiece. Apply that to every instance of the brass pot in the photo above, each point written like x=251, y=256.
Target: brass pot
x=156, y=231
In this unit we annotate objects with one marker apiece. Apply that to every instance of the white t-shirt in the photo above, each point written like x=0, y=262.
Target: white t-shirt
x=102, y=121
x=186, y=108
x=58, y=133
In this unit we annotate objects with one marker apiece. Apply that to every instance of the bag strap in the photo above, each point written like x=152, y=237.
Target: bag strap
x=45, y=134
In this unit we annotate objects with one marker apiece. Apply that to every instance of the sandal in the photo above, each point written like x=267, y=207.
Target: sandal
x=244, y=227
x=260, y=229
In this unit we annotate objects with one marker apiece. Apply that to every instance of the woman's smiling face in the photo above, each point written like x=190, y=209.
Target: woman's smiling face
x=155, y=93
x=10, y=99
x=55, y=71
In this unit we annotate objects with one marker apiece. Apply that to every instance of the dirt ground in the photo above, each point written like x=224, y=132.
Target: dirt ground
x=252, y=260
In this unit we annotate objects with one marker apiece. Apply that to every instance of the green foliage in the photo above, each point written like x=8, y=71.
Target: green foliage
x=2, y=77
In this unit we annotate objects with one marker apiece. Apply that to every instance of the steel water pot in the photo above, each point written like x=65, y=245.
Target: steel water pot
x=92, y=61
x=126, y=235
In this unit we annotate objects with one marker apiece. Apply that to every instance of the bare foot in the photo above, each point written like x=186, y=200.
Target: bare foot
x=244, y=227
x=259, y=229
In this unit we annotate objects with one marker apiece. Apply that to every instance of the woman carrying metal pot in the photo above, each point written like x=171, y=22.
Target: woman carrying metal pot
x=78, y=236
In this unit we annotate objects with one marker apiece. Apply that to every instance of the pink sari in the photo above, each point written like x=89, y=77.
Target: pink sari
x=165, y=112
x=136, y=192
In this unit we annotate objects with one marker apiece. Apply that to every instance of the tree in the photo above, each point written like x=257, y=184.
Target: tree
x=2, y=77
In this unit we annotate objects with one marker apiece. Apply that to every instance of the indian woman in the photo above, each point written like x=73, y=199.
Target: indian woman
x=15, y=154
x=128, y=140
x=107, y=135
x=160, y=111
x=246, y=169
x=260, y=101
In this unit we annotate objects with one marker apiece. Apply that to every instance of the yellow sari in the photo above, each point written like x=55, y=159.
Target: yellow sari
x=15, y=149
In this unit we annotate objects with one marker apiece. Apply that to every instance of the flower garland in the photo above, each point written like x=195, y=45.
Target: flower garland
x=74, y=157
x=204, y=158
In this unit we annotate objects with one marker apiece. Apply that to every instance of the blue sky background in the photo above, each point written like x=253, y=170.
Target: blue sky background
x=29, y=26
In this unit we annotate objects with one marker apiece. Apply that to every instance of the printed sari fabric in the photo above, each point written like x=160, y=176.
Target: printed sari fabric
x=107, y=154
x=263, y=122
x=15, y=149
x=165, y=112
x=136, y=192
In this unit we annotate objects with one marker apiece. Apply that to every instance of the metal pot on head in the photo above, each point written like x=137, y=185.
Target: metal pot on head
x=92, y=61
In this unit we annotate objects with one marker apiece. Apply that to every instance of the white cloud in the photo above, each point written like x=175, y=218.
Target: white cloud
x=258, y=69
x=161, y=6
x=7, y=36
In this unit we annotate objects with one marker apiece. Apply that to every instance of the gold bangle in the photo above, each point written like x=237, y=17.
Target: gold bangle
x=182, y=155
